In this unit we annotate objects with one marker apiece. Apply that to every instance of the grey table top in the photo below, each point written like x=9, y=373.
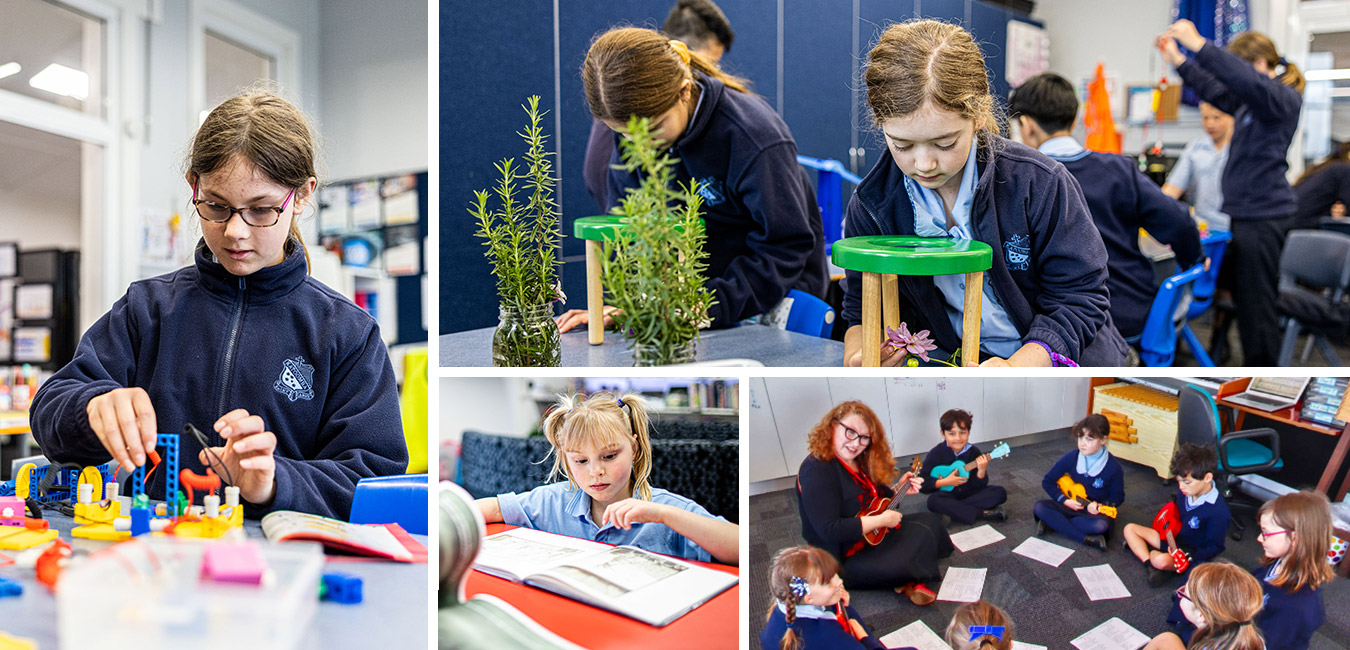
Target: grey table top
x=755, y=344
x=392, y=612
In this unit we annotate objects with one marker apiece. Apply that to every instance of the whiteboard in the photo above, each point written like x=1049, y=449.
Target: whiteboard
x=783, y=410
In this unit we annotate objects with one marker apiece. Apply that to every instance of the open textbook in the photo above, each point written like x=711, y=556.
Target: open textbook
x=651, y=588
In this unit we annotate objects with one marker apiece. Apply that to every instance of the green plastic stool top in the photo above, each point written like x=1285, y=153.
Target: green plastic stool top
x=598, y=228
x=908, y=255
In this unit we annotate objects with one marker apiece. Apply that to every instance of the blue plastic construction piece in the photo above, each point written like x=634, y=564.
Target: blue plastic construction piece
x=10, y=587
x=167, y=446
x=398, y=499
x=140, y=521
x=61, y=489
x=342, y=588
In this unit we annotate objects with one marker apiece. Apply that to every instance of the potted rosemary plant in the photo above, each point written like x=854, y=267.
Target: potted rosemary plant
x=522, y=239
x=654, y=266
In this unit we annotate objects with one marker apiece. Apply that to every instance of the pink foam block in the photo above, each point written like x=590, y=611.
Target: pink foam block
x=240, y=563
x=11, y=511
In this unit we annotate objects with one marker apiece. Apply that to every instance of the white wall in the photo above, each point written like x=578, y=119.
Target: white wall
x=373, y=86
x=502, y=405
x=40, y=222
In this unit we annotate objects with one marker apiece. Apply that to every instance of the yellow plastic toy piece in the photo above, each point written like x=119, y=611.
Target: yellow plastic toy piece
x=211, y=527
x=96, y=512
x=100, y=531
x=10, y=642
x=25, y=478
x=92, y=476
x=17, y=539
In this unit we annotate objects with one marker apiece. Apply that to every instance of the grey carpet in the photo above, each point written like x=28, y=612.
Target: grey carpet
x=1047, y=604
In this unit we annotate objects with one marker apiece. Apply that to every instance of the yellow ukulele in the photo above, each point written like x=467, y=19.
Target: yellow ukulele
x=1075, y=490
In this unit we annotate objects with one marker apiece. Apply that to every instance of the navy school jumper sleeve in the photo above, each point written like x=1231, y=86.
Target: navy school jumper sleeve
x=203, y=342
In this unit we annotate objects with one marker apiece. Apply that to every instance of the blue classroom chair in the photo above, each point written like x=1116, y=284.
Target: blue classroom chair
x=1166, y=317
x=1202, y=293
x=809, y=315
x=830, y=175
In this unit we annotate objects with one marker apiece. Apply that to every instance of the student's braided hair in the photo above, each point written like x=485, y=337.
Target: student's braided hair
x=814, y=566
x=603, y=420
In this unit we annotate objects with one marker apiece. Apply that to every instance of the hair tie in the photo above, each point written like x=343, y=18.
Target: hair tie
x=1244, y=623
x=799, y=587
x=680, y=49
x=621, y=402
x=977, y=631
x=1284, y=63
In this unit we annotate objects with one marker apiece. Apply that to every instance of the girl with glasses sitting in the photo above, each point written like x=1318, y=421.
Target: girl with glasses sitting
x=1221, y=600
x=290, y=379
x=850, y=466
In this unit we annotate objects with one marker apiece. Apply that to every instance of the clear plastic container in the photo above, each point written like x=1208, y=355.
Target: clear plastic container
x=148, y=594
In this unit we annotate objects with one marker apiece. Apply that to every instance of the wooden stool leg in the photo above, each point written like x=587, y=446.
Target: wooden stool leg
x=595, y=294
x=890, y=302
x=970, y=318
x=871, y=306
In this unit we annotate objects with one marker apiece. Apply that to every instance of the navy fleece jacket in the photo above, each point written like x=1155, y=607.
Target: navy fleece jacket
x=1106, y=488
x=203, y=342
x=763, y=223
x=1049, y=261
x=1265, y=115
x=1122, y=200
x=1317, y=193
x=941, y=455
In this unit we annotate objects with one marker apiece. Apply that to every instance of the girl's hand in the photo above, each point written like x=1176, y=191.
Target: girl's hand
x=247, y=456
x=1073, y=504
x=623, y=514
x=1338, y=210
x=894, y=359
x=577, y=317
x=1186, y=34
x=1092, y=508
x=124, y=421
x=1168, y=48
x=843, y=596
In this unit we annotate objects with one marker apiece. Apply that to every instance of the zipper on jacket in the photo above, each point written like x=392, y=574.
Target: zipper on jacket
x=229, y=349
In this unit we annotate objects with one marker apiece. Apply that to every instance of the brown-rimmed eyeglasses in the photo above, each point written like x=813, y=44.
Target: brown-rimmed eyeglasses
x=257, y=216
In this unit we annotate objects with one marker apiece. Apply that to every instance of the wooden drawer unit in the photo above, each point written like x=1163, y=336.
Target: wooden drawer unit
x=1143, y=424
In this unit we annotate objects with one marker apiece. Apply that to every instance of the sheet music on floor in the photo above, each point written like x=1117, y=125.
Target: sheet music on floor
x=969, y=540
x=962, y=585
x=915, y=635
x=1043, y=551
x=1114, y=634
x=1101, y=582
x=1018, y=645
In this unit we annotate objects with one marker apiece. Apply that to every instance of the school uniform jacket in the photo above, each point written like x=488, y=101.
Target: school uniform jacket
x=203, y=342
x=1049, y=267
x=1203, y=528
x=763, y=223
x=829, y=506
x=1265, y=115
x=818, y=633
x=1288, y=619
x=1122, y=200
x=941, y=454
x=1317, y=193
x=1106, y=488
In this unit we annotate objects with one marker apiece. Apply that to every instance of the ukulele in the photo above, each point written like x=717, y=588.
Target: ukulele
x=882, y=504
x=963, y=469
x=1074, y=490
x=1168, y=522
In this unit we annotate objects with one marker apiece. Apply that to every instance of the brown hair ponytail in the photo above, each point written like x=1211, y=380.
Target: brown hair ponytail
x=980, y=612
x=1229, y=598
x=1251, y=46
x=633, y=71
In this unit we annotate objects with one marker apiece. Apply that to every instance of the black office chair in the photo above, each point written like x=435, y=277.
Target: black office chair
x=1239, y=452
x=1314, y=280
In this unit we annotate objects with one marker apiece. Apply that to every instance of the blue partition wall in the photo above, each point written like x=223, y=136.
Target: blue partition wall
x=804, y=57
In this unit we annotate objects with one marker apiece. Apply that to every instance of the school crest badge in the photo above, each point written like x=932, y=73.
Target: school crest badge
x=1017, y=252
x=711, y=190
x=1194, y=523
x=297, y=379
x=1098, y=483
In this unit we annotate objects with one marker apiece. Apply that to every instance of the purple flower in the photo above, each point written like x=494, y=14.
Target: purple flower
x=901, y=340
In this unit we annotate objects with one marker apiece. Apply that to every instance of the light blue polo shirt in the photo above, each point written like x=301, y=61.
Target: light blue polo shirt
x=1199, y=171
x=566, y=510
x=998, y=335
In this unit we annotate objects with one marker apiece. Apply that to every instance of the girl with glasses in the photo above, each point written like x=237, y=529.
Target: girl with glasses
x=1221, y=601
x=850, y=465
x=290, y=380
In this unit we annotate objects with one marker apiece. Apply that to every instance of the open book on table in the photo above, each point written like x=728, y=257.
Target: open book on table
x=363, y=539
x=651, y=588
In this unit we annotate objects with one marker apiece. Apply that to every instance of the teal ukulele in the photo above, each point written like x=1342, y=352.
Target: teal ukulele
x=943, y=471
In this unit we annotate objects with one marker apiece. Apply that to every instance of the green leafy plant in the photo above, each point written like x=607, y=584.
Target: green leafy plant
x=522, y=240
x=654, y=266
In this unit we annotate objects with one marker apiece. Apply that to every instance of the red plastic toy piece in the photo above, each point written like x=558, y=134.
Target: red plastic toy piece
x=191, y=481
x=51, y=561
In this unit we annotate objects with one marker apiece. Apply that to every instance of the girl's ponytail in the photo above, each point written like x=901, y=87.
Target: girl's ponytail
x=636, y=413
x=1292, y=76
x=790, y=640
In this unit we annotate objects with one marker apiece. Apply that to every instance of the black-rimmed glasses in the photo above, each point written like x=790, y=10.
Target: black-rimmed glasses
x=257, y=216
x=851, y=434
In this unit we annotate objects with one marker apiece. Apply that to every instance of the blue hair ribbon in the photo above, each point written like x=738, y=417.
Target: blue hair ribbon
x=799, y=586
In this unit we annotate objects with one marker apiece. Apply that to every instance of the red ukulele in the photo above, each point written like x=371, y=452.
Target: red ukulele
x=882, y=504
x=1168, y=522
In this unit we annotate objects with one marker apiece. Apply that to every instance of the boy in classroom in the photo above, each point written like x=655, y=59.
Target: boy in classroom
x=964, y=498
x=1203, y=512
x=1122, y=199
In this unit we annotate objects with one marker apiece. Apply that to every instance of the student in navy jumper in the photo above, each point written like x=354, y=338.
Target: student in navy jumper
x=1242, y=82
x=1222, y=601
x=765, y=237
x=810, y=609
x=971, y=496
x=242, y=344
x=1204, y=517
x=1295, y=537
x=700, y=25
x=949, y=174
x=1120, y=197
x=1102, y=478
x=851, y=465
x=1324, y=189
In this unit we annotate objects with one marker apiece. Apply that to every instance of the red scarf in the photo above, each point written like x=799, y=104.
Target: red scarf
x=865, y=498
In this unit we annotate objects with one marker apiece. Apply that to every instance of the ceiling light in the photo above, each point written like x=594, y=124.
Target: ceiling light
x=1327, y=75
x=61, y=80
x=10, y=68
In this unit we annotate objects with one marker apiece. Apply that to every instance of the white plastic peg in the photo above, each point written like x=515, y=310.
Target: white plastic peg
x=86, y=493
x=231, y=496
x=211, y=503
